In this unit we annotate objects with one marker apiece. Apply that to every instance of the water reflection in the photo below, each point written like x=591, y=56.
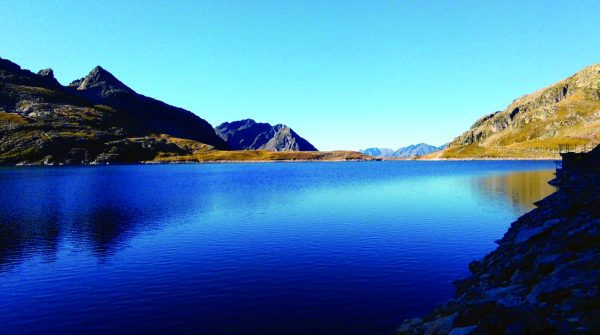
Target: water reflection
x=319, y=248
x=99, y=210
x=20, y=239
x=93, y=209
x=521, y=189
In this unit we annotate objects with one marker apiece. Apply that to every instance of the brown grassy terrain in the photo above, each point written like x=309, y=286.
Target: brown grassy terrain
x=262, y=156
x=533, y=126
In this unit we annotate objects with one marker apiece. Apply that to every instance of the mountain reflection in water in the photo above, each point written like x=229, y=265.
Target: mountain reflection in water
x=521, y=189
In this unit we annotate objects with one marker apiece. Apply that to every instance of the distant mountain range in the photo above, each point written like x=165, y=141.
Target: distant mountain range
x=250, y=135
x=534, y=125
x=414, y=150
x=378, y=152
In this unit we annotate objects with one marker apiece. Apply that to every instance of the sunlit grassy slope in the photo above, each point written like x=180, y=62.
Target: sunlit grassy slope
x=534, y=125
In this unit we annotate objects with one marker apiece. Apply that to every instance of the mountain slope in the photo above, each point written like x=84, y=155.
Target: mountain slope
x=151, y=115
x=567, y=112
x=250, y=135
x=96, y=119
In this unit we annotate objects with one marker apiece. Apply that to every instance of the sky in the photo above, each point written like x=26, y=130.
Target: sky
x=343, y=74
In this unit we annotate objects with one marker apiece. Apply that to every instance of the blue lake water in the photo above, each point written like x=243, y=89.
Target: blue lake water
x=274, y=248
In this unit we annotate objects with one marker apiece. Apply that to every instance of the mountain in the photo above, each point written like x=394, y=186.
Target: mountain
x=250, y=135
x=378, y=152
x=532, y=126
x=95, y=119
x=404, y=152
x=416, y=150
x=151, y=115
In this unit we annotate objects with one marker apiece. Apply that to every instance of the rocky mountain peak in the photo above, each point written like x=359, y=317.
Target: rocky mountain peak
x=248, y=134
x=281, y=127
x=46, y=73
x=47, y=76
x=101, y=81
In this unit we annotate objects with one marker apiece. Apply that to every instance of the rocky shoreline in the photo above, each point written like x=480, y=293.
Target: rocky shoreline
x=544, y=277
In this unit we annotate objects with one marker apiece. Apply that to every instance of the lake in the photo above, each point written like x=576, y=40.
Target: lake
x=260, y=248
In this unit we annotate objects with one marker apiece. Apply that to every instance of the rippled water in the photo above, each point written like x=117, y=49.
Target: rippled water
x=303, y=248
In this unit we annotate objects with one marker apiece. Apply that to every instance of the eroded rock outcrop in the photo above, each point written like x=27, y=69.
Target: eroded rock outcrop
x=544, y=277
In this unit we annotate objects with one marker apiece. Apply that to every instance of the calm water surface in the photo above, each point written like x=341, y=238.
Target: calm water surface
x=304, y=248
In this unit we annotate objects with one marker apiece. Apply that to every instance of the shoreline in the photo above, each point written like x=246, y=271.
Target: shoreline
x=544, y=276
x=288, y=161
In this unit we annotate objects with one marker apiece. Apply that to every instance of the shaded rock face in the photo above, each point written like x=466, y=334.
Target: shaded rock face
x=48, y=76
x=151, y=115
x=567, y=112
x=544, y=277
x=100, y=83
x=250, y=135
x=43, y=122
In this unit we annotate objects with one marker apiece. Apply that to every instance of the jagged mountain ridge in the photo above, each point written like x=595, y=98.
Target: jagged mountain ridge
x=567, y=112
x=250, y=135
x=95, y=119
x=413, y=150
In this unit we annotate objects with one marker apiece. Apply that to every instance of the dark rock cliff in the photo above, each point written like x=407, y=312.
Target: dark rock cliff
x=544, y=277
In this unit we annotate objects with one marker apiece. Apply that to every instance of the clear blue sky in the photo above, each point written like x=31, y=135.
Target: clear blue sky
x=345, y=75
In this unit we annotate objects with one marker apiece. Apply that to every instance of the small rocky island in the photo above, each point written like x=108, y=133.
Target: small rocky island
x=544, y=277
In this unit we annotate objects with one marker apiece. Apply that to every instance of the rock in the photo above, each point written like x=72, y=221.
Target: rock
x=497, y=293
x=474, y=266
x=527, y=234
x=511, y=302
x=440, y=326
x=462, y=330
x=410, y=327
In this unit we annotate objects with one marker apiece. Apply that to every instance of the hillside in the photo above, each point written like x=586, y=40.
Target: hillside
x=532, y=126
x=96, y=119
x=250, y=135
